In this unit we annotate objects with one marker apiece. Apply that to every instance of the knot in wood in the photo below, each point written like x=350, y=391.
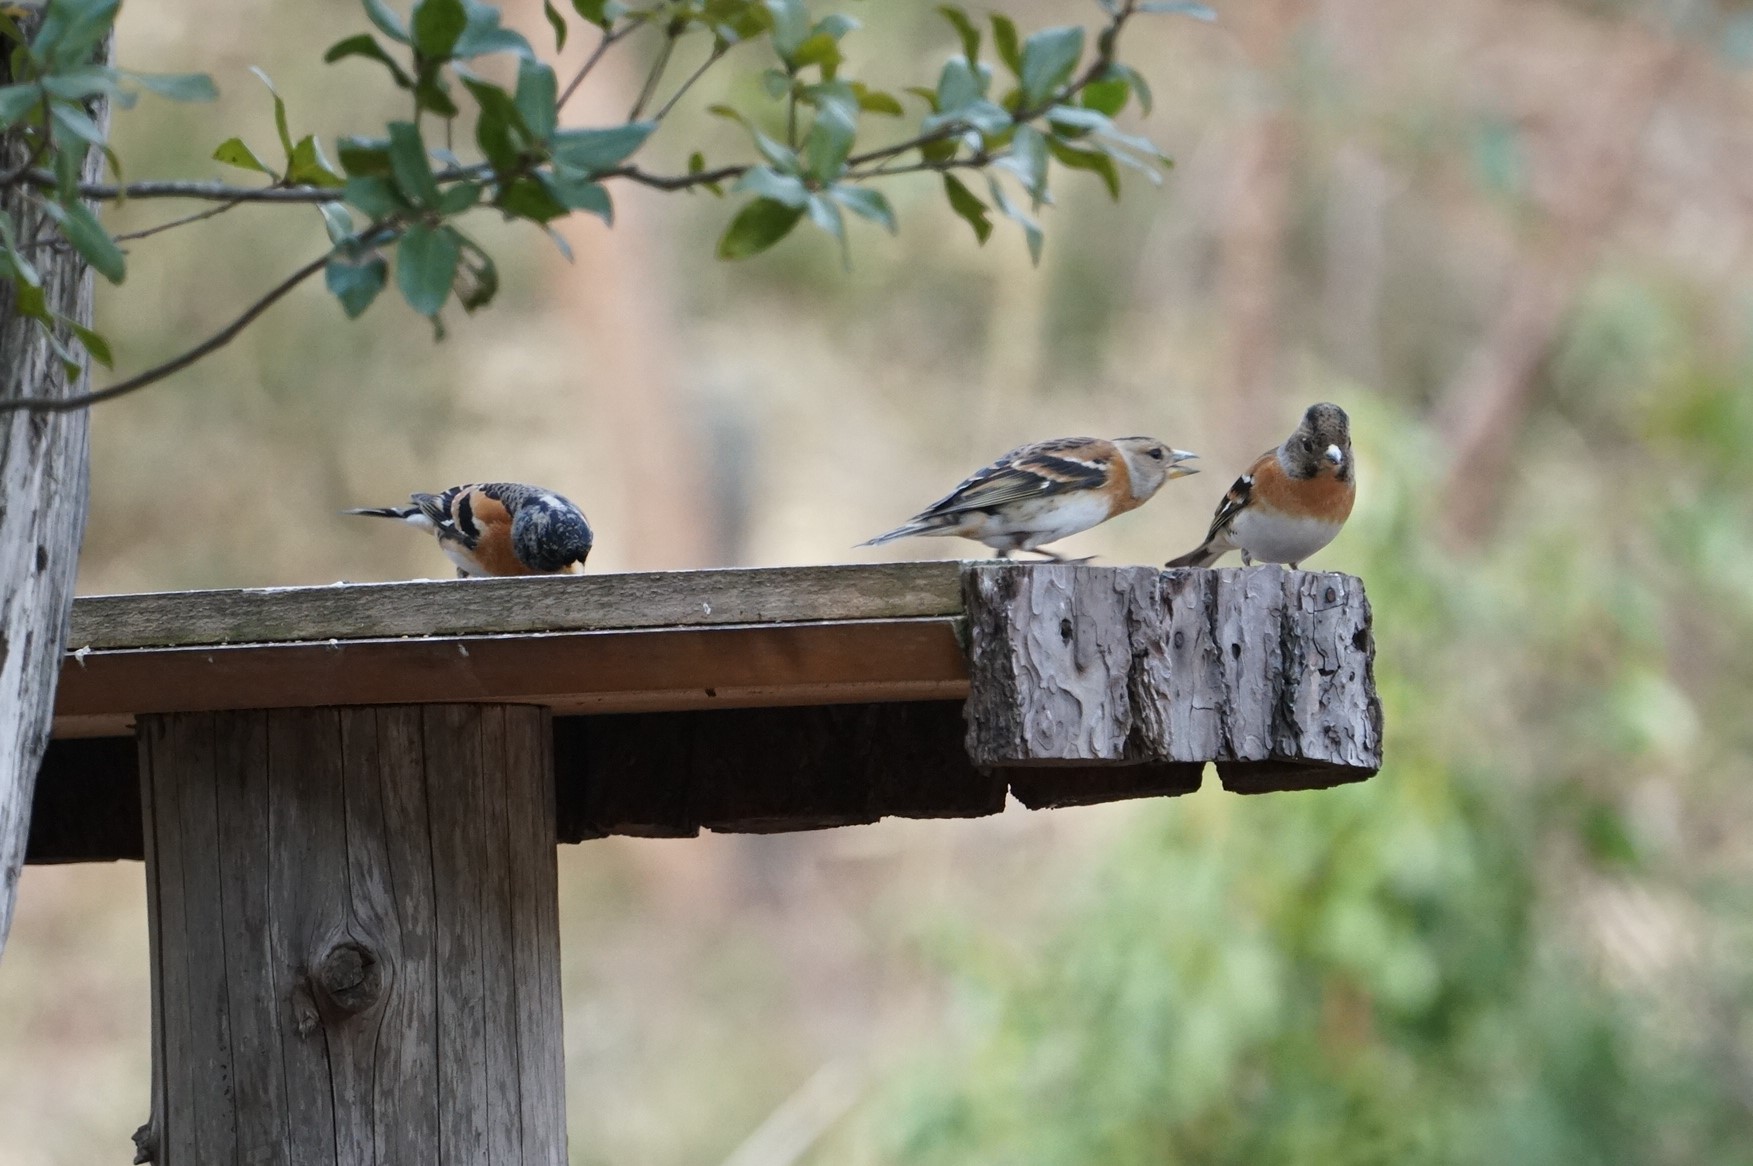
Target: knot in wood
x=1065, y=631
x=349, y=976
x=1330, y=596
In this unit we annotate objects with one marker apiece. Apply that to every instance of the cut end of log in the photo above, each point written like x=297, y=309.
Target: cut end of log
x=1092, y=683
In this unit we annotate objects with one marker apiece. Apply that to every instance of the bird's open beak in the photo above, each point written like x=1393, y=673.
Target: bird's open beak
x=1176, y=469
x=1335, y=455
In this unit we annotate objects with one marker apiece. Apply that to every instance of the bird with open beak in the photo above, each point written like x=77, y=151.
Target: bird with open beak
x=1040, y=493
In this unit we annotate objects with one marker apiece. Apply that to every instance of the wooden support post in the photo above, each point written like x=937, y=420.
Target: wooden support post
x=1265, y=671
x=355, y=937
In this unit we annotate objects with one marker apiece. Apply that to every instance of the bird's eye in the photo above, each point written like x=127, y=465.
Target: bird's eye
x=1156, y=455
x=1308, y=445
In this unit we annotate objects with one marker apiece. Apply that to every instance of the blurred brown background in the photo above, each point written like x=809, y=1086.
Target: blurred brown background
x=1510, y=237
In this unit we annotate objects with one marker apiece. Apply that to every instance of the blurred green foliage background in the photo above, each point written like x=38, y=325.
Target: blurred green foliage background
x=1510, y=236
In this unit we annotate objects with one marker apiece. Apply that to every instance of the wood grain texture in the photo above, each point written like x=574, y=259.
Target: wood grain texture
x=43, y=489
x=476, y=607
x=1267, y=672
x=570, y=672
x=355, y=937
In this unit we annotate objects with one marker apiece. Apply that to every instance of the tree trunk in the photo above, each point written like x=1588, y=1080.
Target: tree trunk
x=43, y=465
x=355, y=937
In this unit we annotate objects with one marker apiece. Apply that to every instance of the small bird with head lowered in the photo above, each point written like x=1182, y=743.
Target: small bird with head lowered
x=499, y=528
x=1292, y=501
x=1040, y=493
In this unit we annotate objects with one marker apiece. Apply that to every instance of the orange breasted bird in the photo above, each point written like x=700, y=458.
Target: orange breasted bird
x=1292, y=501
x=499, y=528
x=1043, y=492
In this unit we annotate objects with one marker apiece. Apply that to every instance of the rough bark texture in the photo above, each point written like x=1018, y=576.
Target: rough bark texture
x=43, y=462
x=1265, y=671
x=355, y=937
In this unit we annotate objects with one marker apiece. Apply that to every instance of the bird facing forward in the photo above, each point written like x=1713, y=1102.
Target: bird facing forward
x=1041, y=493
x=1291, y=502
x=499, y=528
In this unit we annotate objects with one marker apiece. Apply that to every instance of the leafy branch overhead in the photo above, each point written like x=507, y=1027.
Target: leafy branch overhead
x=1000, y=113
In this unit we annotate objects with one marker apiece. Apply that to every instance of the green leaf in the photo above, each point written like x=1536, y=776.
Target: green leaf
x=1028, y=161
x=1031, y=229
x=1180, y=8
x=757, y=227
x=969, y=207
x=365, y=45
x=33, y=303
x=375, y=195
x=595, y=11
x=233, y=152
x=958, y=86
x=876, y=101
x=178, y=86
x=308, y=167
x=528, y=198
x=411, y=167
x=537, y=91
x=1139, y=85
x=833, y=131
x=826, y=215
x=387, y=21
x=867, y=204
x=558, y=24
x=436, y=26
x=482, y=34
x=355, y=281
x=71, y=29
x=89, y=239
x=83, y=84
x=361, y=156
x=337, y=221
x=1106, y=96
x=459, y=198
x=970, y=35
x=76, y=122
x=1004, y=39
x=766, y=182
x=791, y=25
x=1091, y=160
x=95, y=344
x=780, y=157
x=16, y=101
x=279, y=112
x=426, y=263
x=576, y=192
x=1048, y=60
x=477, y=279
x=598, y=150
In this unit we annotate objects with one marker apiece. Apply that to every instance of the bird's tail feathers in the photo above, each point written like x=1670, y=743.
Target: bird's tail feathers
x=1203, y=556
x=926, y=526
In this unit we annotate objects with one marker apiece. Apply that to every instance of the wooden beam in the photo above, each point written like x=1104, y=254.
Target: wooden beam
x=1265, y=671
x=570, y=672
x=355, y=937
x=485, y=607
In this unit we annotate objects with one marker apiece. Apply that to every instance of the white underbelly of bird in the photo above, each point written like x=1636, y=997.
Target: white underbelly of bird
x=1025, y=525
x=1278, y=538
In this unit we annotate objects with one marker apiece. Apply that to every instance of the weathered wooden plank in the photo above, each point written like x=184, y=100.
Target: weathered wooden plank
x=780, y=664
x=458, y=607
x=1265, y=671
x=402, y=1001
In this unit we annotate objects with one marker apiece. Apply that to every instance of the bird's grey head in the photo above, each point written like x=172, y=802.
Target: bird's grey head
x=1320, y=445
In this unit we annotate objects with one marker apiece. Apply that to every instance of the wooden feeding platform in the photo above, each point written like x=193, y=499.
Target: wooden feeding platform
x=348, y=797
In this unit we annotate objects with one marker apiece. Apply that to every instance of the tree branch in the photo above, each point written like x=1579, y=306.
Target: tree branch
x=590, y=63
x=176, y=364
